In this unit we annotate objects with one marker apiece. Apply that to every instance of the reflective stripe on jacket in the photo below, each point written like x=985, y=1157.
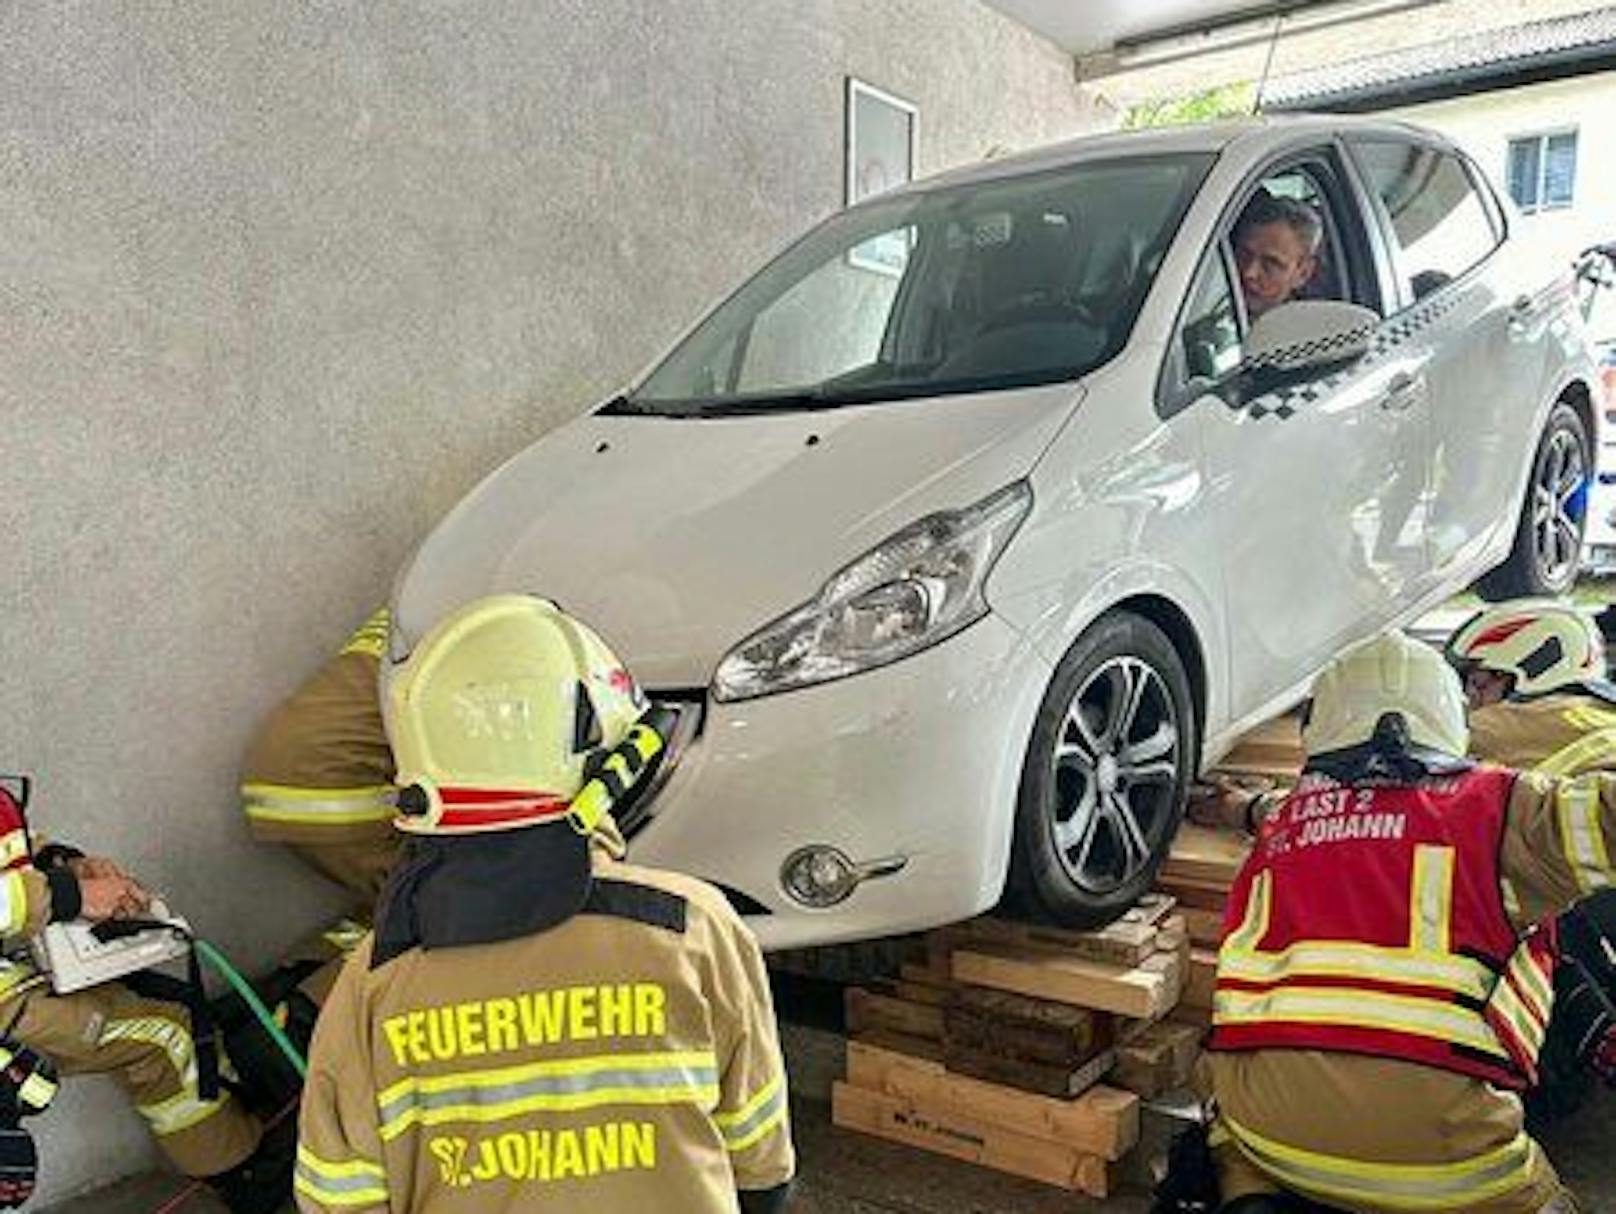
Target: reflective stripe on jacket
x=1369, y=920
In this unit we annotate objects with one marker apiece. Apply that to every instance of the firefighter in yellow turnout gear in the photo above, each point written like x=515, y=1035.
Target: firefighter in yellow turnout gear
x=1535, y=676
x=318, y=776
x=146, y=1045
x=1373, y=1075
x=536, y=1025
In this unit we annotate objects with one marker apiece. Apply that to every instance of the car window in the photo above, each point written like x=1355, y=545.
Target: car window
x=1005, y=282
x=830, y=323
x=1439, y=223
x=1209, y=339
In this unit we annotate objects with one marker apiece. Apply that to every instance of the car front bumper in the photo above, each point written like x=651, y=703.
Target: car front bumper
x=913, y=767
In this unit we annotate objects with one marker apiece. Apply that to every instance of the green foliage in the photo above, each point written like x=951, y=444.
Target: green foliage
x=1224, y=101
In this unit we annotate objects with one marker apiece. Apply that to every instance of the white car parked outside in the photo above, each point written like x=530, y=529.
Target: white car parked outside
x=967, y=529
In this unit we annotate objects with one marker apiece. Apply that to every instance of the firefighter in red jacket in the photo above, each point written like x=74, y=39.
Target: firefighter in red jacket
x=1377, y=1008
x=146, y=1045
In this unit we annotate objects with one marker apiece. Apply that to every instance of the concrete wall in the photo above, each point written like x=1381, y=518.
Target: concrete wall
x=279, y=282
x=1484, y=125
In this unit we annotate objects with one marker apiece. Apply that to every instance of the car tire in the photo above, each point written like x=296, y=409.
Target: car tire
x=1103, y=785
x=1547, y=553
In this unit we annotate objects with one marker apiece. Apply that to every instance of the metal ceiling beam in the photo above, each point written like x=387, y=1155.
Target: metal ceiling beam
x=1231, y=30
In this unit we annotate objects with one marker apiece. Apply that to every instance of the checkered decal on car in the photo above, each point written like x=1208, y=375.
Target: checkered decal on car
x=1388, y=336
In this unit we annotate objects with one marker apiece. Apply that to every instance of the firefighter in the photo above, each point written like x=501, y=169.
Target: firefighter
x=1535, y=681
x=1368, y=1051
x=1535, y=677
x=318, y=775
x=535, y=1024
x=146, y=1045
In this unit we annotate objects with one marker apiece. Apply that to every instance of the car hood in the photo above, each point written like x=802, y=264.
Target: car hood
x=677, y=537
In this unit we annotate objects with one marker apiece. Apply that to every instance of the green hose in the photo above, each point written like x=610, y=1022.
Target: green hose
x=218, y=961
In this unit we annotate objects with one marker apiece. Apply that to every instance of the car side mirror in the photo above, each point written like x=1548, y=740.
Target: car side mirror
x=1304, y=338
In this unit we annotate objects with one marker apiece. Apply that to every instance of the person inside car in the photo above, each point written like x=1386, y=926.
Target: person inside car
x=1276, y=250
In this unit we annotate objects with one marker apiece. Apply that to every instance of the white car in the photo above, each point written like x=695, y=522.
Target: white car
x=970, y=526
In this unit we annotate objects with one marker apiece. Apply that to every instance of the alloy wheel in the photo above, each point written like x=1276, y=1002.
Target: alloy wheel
x=1115, y=768
x=1558, y=502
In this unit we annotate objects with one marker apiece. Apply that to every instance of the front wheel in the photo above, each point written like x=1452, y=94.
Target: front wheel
x=1548, y=538
x=1104, y=781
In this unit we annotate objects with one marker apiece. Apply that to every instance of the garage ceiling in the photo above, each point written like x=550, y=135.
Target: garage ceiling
x=1090, y=27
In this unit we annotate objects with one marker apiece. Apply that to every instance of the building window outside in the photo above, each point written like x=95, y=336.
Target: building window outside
x=1543, y=170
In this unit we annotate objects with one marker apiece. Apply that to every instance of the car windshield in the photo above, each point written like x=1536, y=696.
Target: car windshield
x=1022, y=280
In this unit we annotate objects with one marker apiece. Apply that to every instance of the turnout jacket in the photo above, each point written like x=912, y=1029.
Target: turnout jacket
x=624, y=1061
x=1373, y=918
x=1559, y=735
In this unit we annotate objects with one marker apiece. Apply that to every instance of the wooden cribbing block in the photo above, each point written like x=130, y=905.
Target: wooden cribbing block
x=913, y=971
x=1122, y=943
x=1202, y=977
x=1198, y=895
x=1059, y=1079
x=1103, y=1122
x=1199, y=1018
x=1205, y=926
x=866, y=1011
x=963, y=1137
x=1159, y=1059
x=1144, y=991
x=1272, y=749
x=1201, y=854
x=920, y=1049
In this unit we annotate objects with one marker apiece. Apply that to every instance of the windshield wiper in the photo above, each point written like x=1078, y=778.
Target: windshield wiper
x=719, y=406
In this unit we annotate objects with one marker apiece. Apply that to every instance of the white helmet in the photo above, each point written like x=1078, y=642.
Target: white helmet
x=1392, y=674
x=1542, y=644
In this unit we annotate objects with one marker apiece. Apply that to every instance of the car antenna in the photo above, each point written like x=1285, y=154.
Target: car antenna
x=1268, y=61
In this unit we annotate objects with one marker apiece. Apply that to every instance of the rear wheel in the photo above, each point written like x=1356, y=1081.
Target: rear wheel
x=1103, y=785
x=1548, y=538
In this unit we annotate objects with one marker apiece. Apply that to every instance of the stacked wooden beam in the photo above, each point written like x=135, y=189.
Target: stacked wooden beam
x=1204, y=863
x=994, y=1049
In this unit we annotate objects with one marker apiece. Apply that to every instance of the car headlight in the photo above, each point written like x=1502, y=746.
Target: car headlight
x=906, y=594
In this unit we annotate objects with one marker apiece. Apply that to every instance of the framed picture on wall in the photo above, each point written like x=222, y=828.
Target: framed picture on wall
x=883, y=133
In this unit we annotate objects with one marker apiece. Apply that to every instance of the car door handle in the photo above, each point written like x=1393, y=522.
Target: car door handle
x=1403, y=392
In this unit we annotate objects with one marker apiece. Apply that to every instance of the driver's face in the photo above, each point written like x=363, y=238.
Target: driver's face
x=1274, y=264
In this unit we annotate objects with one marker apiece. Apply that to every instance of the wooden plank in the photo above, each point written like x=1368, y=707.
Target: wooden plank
x=921, y=1049
x=1151, y=908
x=1161, y=1058
x=1200, y=895
x=1202, y=978
x=913, y=971
x=921, y=992
x=1205, y=926
x=1021, y=1039
x=1144, y=991
x=1120, y=944
x=1205, y=855
x=967, y=1138
x=1102, y=1122
x=867, y=1010
x=1197, y=1017
x=1062, y=1080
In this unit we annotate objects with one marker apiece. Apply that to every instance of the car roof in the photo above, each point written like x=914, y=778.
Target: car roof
x=1248, y=135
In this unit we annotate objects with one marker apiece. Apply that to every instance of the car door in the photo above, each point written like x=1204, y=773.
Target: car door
x=1467, y=344
x=1317, y=486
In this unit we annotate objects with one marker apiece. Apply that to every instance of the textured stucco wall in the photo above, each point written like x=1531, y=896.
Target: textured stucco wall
x=279, y=282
